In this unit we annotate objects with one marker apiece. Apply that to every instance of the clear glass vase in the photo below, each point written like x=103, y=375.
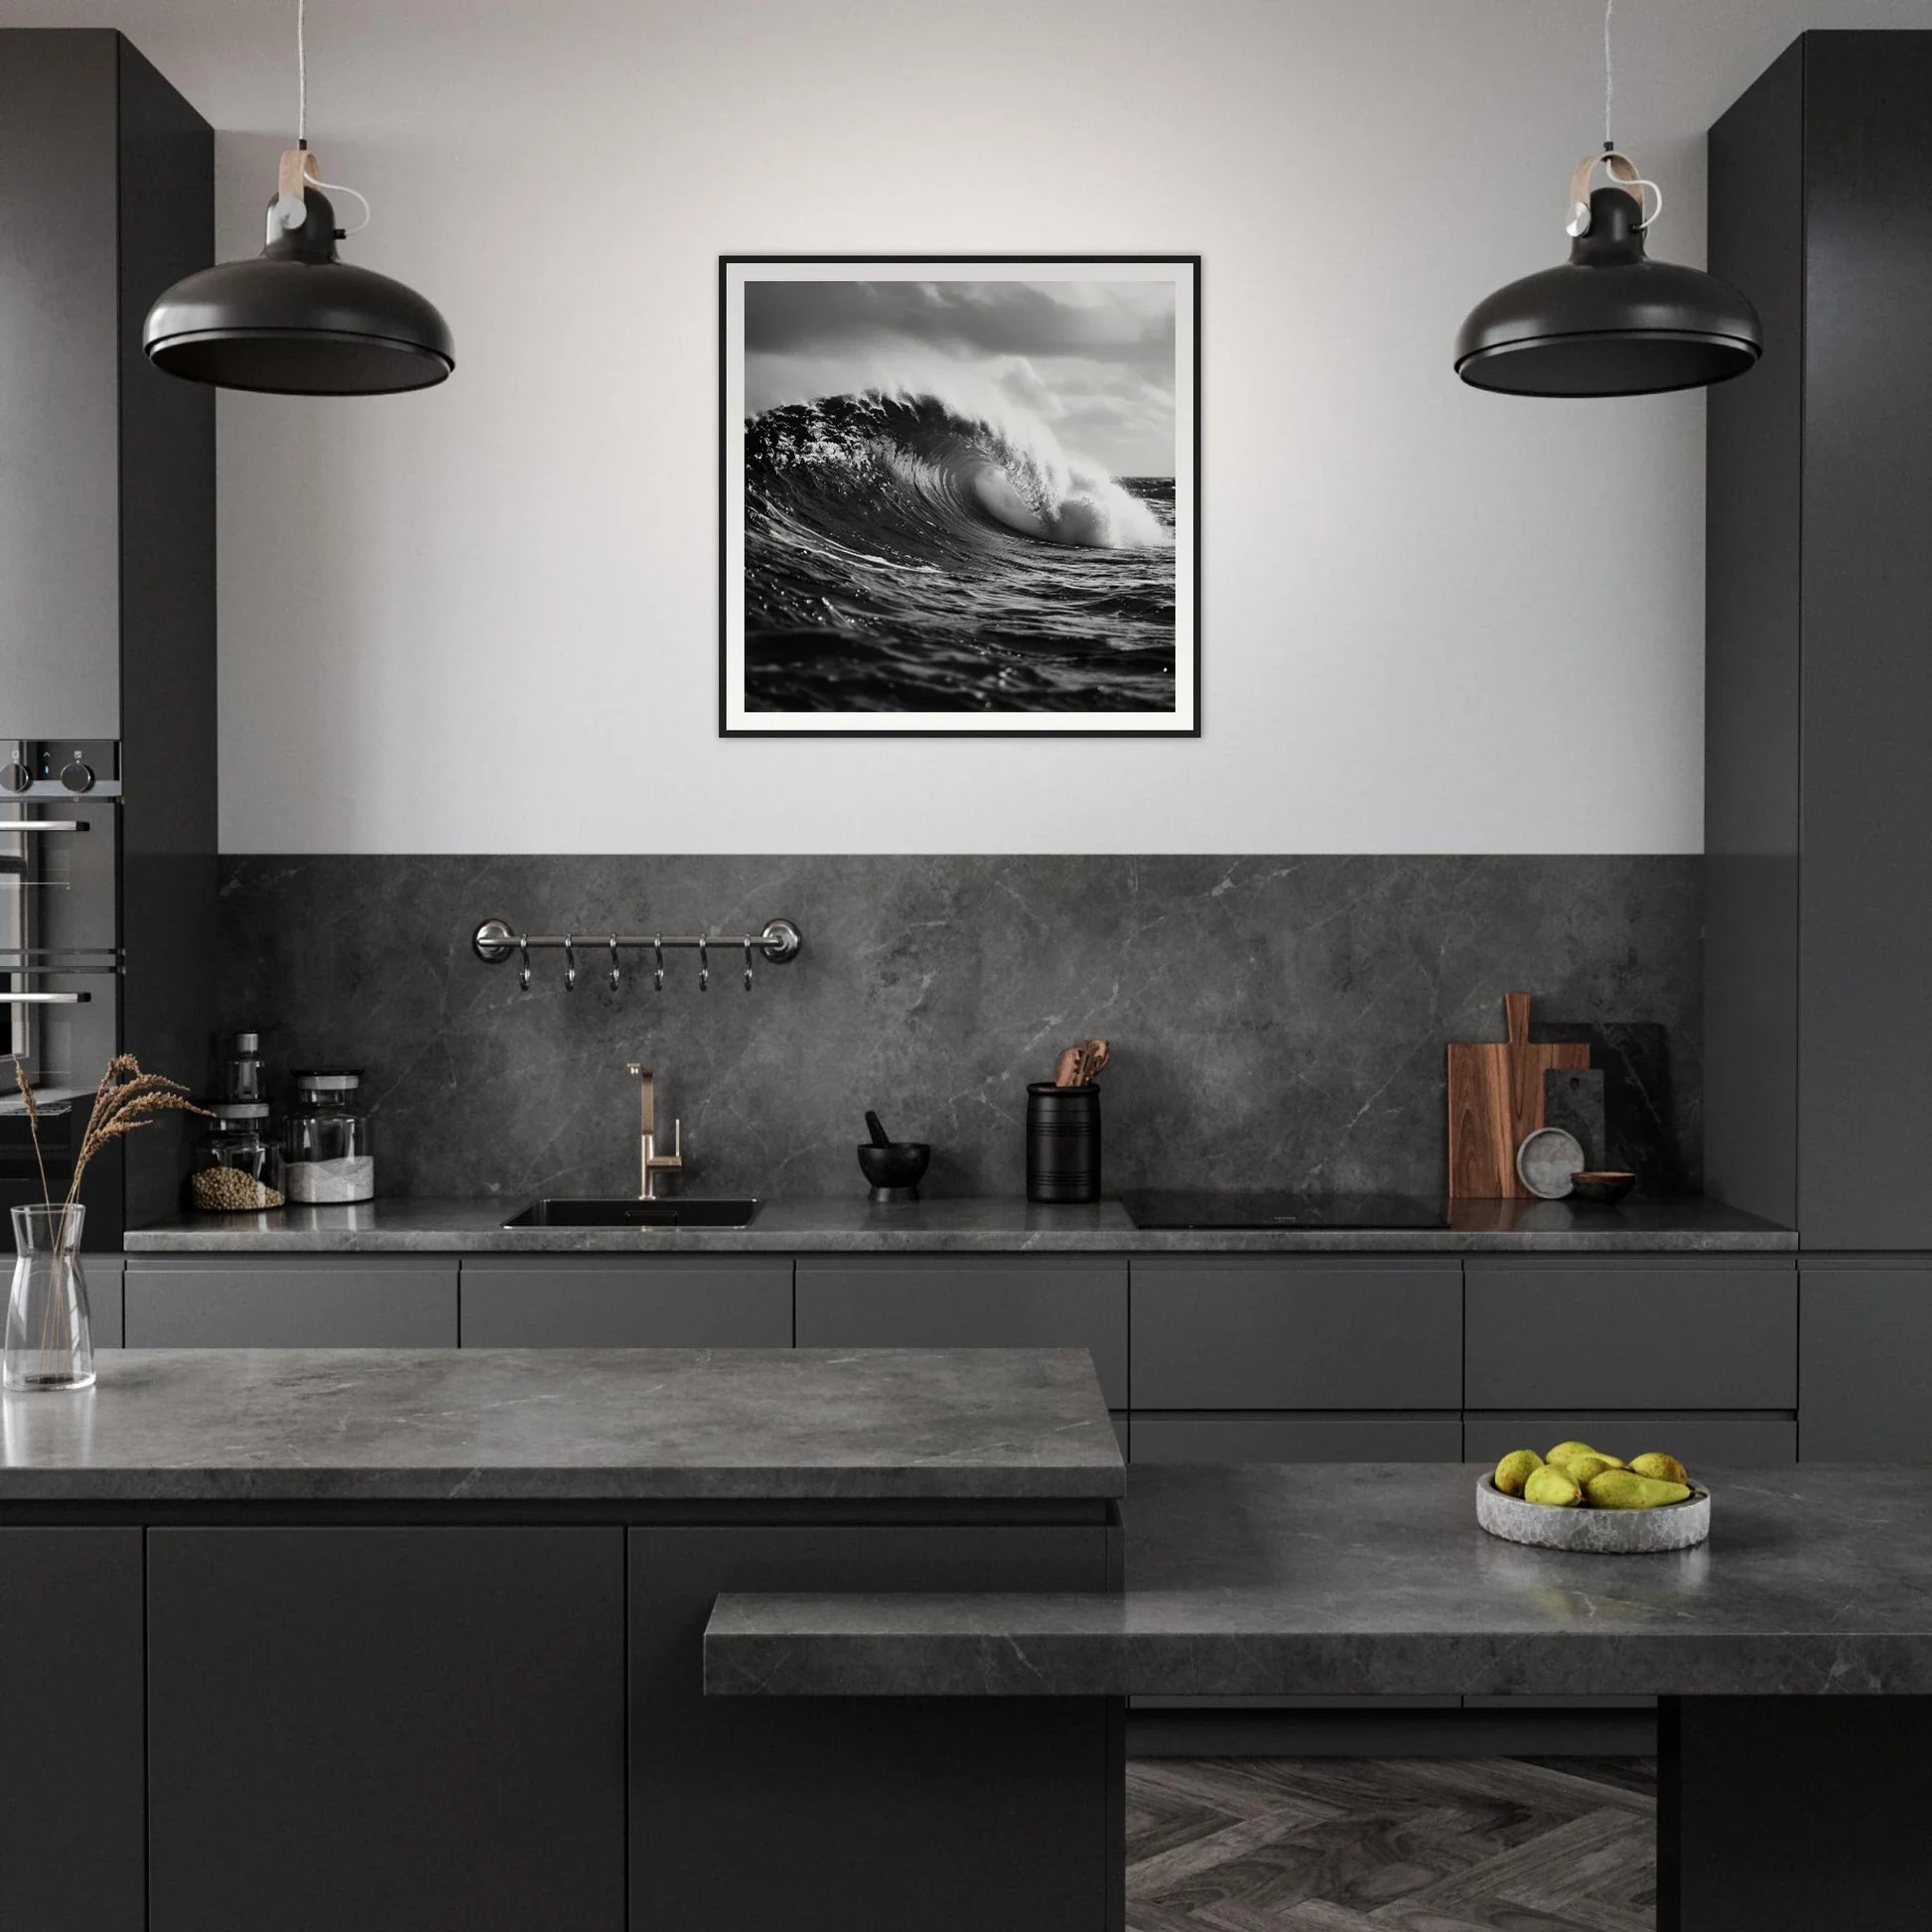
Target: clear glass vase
x=50, y=1337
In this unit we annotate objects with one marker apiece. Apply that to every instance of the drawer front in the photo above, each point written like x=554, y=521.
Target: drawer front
x=1866, y=1394
x=359, y=1304
x=1024, y=1303
x=1735, y=1442
x=1264, y=1334
x=1298, y=1439
x=659, y=1304
x=1647, y=1335
x=104, y=1298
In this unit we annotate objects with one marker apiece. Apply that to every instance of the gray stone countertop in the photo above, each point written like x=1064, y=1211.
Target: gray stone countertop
x=603, y=1425
x=1373, y=1578
x=961, y=1226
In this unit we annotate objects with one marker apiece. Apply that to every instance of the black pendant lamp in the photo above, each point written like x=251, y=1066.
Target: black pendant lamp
x=1609, y=321
x=298, y=320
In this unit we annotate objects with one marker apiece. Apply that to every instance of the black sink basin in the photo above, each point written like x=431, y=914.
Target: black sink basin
x=636, y=1214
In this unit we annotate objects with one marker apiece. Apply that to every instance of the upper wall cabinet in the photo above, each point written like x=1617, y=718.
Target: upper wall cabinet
x=1819, y=896
x=106, y=466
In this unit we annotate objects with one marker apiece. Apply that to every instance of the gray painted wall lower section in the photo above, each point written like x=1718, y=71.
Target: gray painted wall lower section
x=1276, y=1022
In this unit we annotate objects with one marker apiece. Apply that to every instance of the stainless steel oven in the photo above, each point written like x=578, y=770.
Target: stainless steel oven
x=61, y=966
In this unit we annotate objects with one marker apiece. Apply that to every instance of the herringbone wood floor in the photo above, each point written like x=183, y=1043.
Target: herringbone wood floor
x=1391, y=1845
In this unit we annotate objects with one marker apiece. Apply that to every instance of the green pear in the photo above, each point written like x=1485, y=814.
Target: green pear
x=1666, y=1469
x=1565, y=1450
x=1515, y=1469
x=1549, y=1485
x=1582, y=1467
x=1623, y=1489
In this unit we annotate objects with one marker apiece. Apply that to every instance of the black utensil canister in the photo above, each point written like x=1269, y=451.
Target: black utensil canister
x=1063, y=1143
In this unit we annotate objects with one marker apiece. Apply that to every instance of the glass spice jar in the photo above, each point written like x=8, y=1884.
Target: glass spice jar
x=239, y=1165
x=326, y=1139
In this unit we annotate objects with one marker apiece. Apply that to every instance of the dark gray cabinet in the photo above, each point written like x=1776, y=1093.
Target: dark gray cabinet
x=1866, y=1389
x=1819, y=923
x=942, y=1302
x=613, y=1302
x=969, y=1820
x=1269, y=1332
x=1298, y=1439
x=103, y=1273
x=386, y=1729
x=292, y=1302
x=1548, y=1331
x=71, y=1776
x=1736, y=1441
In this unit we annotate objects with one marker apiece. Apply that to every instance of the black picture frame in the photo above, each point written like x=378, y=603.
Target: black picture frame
x=730, y=477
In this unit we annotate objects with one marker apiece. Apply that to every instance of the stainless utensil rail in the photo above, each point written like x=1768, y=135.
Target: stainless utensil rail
x=496, y=940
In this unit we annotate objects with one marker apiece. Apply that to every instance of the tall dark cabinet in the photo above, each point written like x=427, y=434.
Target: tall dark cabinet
x=1819, y=716
x=108, y=694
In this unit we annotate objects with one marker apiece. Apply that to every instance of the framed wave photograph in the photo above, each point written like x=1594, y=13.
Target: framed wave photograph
x=960, y=495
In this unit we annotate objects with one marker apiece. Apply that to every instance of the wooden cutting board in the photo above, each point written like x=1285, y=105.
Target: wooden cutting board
x=1495, y=1099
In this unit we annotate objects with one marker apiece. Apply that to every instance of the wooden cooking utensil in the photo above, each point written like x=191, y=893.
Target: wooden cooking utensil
x=1496, y=1100
x=1066, y=1070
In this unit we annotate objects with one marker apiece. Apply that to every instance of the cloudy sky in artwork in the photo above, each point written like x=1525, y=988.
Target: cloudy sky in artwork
x=1093, y=360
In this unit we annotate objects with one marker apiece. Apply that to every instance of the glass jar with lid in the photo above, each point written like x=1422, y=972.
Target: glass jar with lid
x=237, y=1166
x=326, y=1141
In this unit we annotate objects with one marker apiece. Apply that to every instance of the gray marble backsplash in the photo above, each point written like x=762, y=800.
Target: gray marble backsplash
x=1276, y=1022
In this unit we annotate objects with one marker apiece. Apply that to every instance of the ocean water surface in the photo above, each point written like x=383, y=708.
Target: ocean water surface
x=902, y=553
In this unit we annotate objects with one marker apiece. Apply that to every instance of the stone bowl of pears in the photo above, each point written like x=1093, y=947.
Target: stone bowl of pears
x=1580, y=1498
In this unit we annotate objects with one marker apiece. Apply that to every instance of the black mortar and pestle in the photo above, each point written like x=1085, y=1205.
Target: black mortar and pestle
x=893, y=1166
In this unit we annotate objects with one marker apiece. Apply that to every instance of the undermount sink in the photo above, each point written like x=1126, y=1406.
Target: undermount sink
x=636, y=1214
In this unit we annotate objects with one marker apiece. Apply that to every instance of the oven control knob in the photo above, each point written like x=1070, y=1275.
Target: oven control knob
x=14, y=776
x=78, y=776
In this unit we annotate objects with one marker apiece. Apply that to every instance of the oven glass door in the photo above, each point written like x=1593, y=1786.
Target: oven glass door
x=60, y=976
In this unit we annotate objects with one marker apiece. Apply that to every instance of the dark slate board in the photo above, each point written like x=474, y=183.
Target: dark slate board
x=1635, y=1060
x=1572, y=1099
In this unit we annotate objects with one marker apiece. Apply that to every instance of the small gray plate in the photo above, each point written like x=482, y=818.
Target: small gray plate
x=1595, y=1532
x=1545, y=1161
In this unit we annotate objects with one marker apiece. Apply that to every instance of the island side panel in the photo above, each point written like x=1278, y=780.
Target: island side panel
x=825, y=1814
x=386, y=1728
x=72, y=1777
x=1794, y=1814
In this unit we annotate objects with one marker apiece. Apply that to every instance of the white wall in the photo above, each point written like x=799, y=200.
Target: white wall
x=485, y=618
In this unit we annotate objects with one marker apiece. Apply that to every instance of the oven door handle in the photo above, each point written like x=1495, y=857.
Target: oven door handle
x=44, y=999
x=42, y=825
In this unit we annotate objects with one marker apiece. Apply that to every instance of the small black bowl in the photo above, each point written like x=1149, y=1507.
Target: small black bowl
x=894, y=1169
x=1604, y=1187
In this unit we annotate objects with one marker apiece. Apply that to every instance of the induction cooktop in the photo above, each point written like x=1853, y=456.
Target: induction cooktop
x=1163, y=1210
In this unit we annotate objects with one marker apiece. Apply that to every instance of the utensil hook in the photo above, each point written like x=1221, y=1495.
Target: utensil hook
x=747, y=965
x=570, y=963
x=704, y=965
x=617, y=971
x=523, y=947
x=657, y=978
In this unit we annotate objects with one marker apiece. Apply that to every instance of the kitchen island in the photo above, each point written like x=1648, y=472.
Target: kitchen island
x=1793, y=1651
x=398, y=1639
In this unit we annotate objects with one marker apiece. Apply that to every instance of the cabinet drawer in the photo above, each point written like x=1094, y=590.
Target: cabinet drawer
x=1241, y=1333
x=1866, y=1386
x=703, y=1301
x=1738, y=1442
x=1298, y=1439
x=1030, y=1302
x=103, y=1275
x=1651, y=1334
x=350, y=1303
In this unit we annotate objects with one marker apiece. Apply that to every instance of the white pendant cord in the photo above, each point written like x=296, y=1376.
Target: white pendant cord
x=1622, y=169
x=292, y=217
x=1610, y=73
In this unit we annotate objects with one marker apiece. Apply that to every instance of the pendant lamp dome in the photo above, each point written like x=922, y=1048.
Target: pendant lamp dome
x=298, y=320
x=1609, y=321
